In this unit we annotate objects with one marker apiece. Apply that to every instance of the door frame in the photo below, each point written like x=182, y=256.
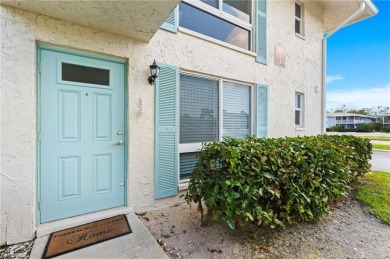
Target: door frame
x=43, y=46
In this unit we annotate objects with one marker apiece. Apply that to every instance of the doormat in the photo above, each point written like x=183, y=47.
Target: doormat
x=71, y=239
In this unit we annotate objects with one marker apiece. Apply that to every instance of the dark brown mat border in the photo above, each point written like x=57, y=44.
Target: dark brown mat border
x=128, y=231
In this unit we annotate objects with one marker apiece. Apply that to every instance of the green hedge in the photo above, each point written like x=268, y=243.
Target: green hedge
x=276, y=181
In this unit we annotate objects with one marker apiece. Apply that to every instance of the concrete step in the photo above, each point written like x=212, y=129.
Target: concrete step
x=138, y=244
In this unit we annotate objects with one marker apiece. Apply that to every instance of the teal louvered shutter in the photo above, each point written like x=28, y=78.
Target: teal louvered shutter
x=261, y=31
x=261, y=110
x=170, y=23
x=166, y=132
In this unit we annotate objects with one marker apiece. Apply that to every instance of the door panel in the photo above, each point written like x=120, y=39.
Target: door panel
x=69, y=115
x=69, y=177
x=102, y=173
x=102, y=116
x=82, y=166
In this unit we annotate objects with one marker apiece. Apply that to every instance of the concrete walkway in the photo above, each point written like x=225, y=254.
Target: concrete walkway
x=382, y=142
x=359, y=134
x=380, y=160
x=139, y=244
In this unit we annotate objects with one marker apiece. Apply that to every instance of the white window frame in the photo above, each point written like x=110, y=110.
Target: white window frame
x=300, y=20
x=195, y=147
x=218, y=12
x=300, y=109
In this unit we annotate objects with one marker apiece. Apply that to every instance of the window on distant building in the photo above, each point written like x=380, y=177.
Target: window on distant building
x=210, y=109
x=299, y=19
x=299, y=110
x=224, y=20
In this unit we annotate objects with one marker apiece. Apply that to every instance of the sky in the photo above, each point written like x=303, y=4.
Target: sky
x=358, y=62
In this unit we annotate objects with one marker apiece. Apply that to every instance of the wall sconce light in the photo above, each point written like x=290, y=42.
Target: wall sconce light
x=154, y=72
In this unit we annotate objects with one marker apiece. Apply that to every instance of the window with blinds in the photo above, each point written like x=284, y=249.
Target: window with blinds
x=187, y=164
x=236, y=110
x=201, y=109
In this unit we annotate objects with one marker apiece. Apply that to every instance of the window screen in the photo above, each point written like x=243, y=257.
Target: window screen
x=198, y=109
x=84, y=74
x=236, y=107
x=187, y=165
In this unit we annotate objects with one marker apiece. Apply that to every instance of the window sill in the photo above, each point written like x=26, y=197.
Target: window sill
x=183, y=186
x=218, y=42
x=299, y=129
x=300, y=36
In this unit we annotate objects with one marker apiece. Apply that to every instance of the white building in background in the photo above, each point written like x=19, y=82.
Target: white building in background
x=82, y=130
x=347, y=120
x=386, y=120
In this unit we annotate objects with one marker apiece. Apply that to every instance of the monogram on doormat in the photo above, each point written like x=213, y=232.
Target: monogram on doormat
x=71, y=239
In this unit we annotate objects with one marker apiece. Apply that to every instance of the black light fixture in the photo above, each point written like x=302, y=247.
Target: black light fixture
x=154, y=72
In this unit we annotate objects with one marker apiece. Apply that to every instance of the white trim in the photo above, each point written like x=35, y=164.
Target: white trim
x=237, y=82
x=220, y=104
x=183, y=71
x=189, y=147
x=372, y=8
x=215, y=41
x=196, y=74
x=300, y=36
x=253, y=110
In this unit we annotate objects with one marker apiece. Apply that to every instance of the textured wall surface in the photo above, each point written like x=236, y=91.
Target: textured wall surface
x=22, y=30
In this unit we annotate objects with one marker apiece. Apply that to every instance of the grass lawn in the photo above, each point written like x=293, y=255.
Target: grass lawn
x=385, y=138
x=375, y=193
x=381, y=146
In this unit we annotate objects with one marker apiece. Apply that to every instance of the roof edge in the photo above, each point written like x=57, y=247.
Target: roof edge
x=373, y=9
x=370, y=10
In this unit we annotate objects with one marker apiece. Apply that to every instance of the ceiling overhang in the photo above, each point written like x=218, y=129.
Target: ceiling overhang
x=136, y=19
x=140, y=19
x=337, y=11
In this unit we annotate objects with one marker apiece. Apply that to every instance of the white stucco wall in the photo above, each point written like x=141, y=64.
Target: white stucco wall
x=22, y=30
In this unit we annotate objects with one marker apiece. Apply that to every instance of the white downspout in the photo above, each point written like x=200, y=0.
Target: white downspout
x=327, y=36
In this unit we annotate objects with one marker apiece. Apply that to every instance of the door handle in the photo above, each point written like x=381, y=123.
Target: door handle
x=120, y=142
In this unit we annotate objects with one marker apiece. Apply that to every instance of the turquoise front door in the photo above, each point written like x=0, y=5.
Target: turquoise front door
x=81, y=134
